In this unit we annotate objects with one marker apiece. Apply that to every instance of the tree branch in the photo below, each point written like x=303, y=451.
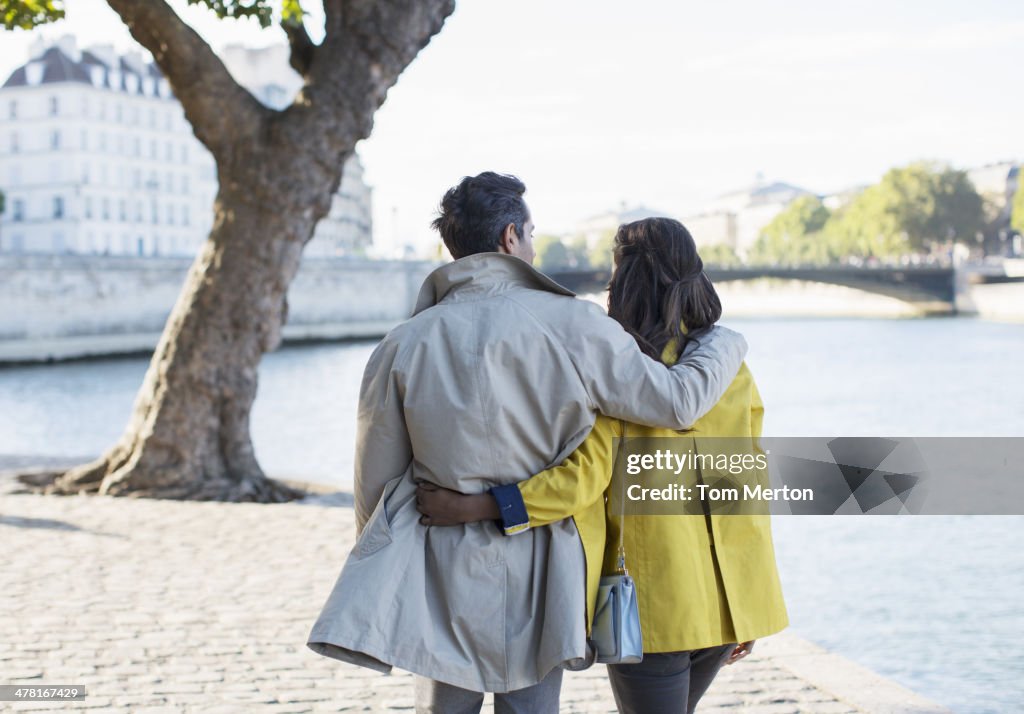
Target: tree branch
x=221, y=112
x=334, y=18
x=302, y=47
x=368, y=44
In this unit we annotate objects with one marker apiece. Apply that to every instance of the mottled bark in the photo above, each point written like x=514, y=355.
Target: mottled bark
x=189, y=433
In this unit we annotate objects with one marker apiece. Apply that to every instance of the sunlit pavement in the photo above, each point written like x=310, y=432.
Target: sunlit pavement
x=164, y=606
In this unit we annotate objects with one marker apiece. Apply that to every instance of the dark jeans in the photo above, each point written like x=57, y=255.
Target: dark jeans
x=434, y=697
x=666, y=682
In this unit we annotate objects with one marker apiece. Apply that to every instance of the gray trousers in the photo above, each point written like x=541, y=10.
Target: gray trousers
x=434, y=697
x=666, y=682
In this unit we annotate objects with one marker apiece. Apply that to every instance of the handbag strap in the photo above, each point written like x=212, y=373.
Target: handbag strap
x=622, y=503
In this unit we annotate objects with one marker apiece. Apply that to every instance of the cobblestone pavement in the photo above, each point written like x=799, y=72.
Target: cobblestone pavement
x=164, y=606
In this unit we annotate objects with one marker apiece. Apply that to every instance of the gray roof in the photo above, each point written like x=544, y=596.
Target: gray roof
x=58, y=67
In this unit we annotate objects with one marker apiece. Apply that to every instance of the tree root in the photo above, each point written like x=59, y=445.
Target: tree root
x=92, y=479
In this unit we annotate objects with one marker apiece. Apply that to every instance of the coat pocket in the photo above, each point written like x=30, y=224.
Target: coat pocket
x=377, y=533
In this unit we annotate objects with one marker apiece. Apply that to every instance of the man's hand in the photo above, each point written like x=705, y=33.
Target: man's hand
x=741, y=651
x=444, y=507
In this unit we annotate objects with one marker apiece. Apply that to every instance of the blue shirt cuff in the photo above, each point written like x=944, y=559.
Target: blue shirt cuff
x=514, y=518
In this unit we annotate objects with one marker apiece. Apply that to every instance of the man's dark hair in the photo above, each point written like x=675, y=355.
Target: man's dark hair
x=473, y=215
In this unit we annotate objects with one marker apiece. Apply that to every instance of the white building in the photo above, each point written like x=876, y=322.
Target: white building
x=736, y=219
x=997, y=184
x=596, y=227
x=96, y=157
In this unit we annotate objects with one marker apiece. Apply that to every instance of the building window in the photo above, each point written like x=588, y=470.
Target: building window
x=106, y=209
x=58, y=207
x=184, y=154
x=152, y=122
x=15, y=142
x=184, y=215
x=138, y=211
x=55, y=139
x=17, y=210
x=103, y=141
x=54, y=106
x=122, y=210
x=170, y=182
x=152, y=149
x=184, y=183
x=85, y=140
x=155, y=215
x=137, y=147
x=170, y=215
x=85, y=173
x=12, y=110
x=118, y=112
x=88, y=206
x=136, y=178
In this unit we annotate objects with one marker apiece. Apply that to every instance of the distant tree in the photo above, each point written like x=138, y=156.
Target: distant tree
x=793, y=236
x=278, y=170
x=579, y=253
x=719, y=254
x=913, y=209
x=1017, y=211
x=600, y=255
x=551, y=252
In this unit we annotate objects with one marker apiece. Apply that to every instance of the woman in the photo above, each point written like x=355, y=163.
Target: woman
x=707, y=584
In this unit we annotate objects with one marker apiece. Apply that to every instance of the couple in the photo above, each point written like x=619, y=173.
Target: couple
x=499, y=375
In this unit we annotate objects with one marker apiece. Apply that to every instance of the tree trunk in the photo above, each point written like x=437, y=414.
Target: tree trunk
x=189, y=435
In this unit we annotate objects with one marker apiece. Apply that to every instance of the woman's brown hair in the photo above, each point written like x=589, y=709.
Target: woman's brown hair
x=659, y=284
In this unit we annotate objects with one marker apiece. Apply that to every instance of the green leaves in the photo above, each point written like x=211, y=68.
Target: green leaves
x=26, y=14
x=291, y=12
x=1017, y=215
x=794, y=235
x=237, y=9
x=261, y=10
x=913, y=209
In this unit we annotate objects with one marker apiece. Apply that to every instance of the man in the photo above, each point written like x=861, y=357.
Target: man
x=499, y=373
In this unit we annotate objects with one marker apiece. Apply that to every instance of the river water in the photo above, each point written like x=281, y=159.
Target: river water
x=931, y=602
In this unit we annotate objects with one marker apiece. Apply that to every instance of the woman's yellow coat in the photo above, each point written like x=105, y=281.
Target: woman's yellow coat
x=701, y=580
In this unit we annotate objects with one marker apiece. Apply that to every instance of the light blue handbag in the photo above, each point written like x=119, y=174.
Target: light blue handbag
x=615, y=632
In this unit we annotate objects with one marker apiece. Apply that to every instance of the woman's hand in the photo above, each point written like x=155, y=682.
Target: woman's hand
x=741, y=651
x=444, y=507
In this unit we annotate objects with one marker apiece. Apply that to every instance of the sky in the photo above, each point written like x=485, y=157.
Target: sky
x=665, y=104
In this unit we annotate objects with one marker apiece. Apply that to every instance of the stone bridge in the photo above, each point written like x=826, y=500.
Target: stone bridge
x=931, y=289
